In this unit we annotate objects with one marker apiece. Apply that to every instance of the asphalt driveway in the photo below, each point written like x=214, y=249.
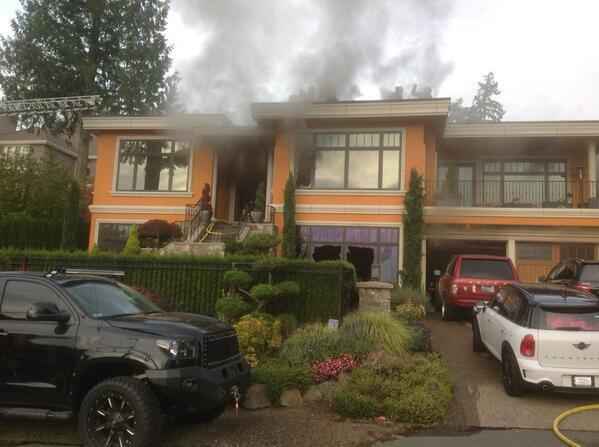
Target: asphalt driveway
x=480, y=399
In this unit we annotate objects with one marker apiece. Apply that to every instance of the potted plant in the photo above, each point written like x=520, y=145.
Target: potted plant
x=205, y=205
x=259, y=204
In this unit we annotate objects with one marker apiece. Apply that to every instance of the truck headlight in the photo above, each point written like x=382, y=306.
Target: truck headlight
x=178, y=349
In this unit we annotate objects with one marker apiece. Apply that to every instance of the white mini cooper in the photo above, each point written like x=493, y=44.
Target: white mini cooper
x=545, y=336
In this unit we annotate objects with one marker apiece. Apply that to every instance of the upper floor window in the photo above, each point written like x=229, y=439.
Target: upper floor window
x=153, y=165
x=16, y=149
x=365, y=160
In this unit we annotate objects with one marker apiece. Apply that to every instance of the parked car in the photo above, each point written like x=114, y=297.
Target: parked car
x=577, y=273
x=89, y=346
x=472, y=278
x=546, y=336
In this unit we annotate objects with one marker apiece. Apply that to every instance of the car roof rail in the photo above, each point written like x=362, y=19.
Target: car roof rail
x=80, y=271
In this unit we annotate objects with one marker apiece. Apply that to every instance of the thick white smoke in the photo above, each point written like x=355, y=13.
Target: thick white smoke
x=263, y=50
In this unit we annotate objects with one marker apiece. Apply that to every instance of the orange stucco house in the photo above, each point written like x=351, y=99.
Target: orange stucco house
x=525, y=189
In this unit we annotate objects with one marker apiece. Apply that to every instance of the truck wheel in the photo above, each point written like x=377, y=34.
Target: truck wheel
x=510, y=375
x=477, y=341
x=448, y=312
x=120, y=411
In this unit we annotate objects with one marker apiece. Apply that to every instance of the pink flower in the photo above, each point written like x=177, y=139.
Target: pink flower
x=330, y=369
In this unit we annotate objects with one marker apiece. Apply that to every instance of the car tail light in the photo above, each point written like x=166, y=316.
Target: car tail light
x=454, y=289
x=583, y=286
x=527, y=346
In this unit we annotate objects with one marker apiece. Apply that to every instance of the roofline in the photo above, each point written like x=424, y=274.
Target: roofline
x=429, y=107
x=155, y=122
x=44, y=142
x=523, y=129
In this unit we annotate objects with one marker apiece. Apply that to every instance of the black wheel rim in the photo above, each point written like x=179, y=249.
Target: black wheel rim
x=111, y=421
x=507, y=373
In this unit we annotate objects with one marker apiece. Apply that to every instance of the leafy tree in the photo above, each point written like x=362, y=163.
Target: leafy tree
x=157, y=232
x=132, y=247
x=260, y=200
x=484, y=106
x=413, y=221
x=289, y=226
x=113, y=48
x=68, y=240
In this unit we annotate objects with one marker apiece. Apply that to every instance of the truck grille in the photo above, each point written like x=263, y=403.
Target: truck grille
x=219, y=349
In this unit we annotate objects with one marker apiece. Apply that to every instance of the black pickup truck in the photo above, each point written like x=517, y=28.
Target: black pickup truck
x=88, y=346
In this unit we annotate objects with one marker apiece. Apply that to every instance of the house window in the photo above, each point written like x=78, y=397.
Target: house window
x=577, y=251
x=365, y=160
x=525, y=183
x=536, y=252
x=113, y=236
x=16, y=149
x=153, y=165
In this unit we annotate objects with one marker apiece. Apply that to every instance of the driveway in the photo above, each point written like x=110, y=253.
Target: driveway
x=480, y=399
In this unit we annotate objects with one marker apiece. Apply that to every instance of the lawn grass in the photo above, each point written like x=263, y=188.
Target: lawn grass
x=13, y=431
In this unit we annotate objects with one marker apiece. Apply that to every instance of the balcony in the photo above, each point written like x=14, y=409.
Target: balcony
x=512, y=193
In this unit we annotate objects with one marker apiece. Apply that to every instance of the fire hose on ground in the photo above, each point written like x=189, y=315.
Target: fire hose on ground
x=564, y=415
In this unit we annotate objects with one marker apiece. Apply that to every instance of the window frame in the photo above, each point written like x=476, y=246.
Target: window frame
x=158, y=192
x=346, y=149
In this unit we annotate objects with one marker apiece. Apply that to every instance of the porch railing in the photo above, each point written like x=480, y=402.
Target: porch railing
x=512, y=193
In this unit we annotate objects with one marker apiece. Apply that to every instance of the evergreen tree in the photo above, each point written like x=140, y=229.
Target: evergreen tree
x=289, y=226
x=113, y=48
x=70, y=223
x=413, y=221
x=484, y=106
x=133, y=246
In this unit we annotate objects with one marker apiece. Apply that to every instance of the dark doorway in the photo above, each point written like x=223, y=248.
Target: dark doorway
x=361, y=258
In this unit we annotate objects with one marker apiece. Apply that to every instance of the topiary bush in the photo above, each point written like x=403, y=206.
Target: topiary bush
x=237, y=279
x=156, y=233
x=312, y=342
x=278, y=376
x=259, y=244
x=367, y=332
x=133, y=246
x=231, y=308
x=417, y=390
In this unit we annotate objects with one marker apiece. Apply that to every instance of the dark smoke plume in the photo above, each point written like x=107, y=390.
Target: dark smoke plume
x=264, y=50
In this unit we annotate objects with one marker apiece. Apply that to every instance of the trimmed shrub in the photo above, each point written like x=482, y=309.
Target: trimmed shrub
x=401, y=295
x=237, y=279
x=410, y=311
x=231, y=308
x=369, y=332
x=311, y=343
x=279, y=376
x=258, y=338
x=259, y=244
x=132, y=247
x=156, y=233
x=417, y=390
x=289, y=244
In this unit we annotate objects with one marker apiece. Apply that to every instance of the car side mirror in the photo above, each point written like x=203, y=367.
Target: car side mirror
x=480, y=306
x=542, y=278
x=47, y=312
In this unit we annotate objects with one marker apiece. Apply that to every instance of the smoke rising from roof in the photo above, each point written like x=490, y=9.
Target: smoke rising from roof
x=265, y=50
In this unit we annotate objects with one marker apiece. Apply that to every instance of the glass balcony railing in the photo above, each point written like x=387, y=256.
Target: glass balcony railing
x=512, y=193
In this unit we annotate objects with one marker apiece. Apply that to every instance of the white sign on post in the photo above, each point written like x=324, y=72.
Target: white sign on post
x=333, y=324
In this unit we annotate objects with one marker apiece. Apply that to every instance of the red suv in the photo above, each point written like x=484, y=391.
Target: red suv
x=472, y=278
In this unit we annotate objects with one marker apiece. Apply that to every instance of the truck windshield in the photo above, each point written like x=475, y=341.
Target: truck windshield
x=102, y=300
x=589, y=273
x=569, y=319
x=486, y=268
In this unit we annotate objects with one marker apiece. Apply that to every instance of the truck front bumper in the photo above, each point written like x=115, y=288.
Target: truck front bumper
x=204, y=388
x=557, y=379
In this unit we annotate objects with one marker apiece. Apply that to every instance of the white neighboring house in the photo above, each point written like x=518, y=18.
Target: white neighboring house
x=546, y=337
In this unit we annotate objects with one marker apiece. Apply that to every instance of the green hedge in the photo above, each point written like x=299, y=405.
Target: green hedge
x=194, y=283
x=19, y=231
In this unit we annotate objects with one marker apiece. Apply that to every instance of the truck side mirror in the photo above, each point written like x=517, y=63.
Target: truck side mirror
x=47, y=312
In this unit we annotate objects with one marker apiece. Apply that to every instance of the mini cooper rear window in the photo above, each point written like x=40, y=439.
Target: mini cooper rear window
x=486, y=268
x=569, y=319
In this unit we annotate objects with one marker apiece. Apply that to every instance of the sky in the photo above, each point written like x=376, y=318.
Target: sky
x=230, y=52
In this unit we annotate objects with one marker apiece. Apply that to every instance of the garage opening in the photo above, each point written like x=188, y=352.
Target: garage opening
x=439, y=253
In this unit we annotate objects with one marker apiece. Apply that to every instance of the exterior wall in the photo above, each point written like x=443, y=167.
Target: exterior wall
x=109, y=205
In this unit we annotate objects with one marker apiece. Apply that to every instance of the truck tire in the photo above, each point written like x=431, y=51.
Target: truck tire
x=513, y=384
x=448, y=312
x=120, y=411
x=477, y=341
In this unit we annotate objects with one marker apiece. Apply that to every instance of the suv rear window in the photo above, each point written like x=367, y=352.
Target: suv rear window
x=486, y=268
x=589, y=273
x=569, y=319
